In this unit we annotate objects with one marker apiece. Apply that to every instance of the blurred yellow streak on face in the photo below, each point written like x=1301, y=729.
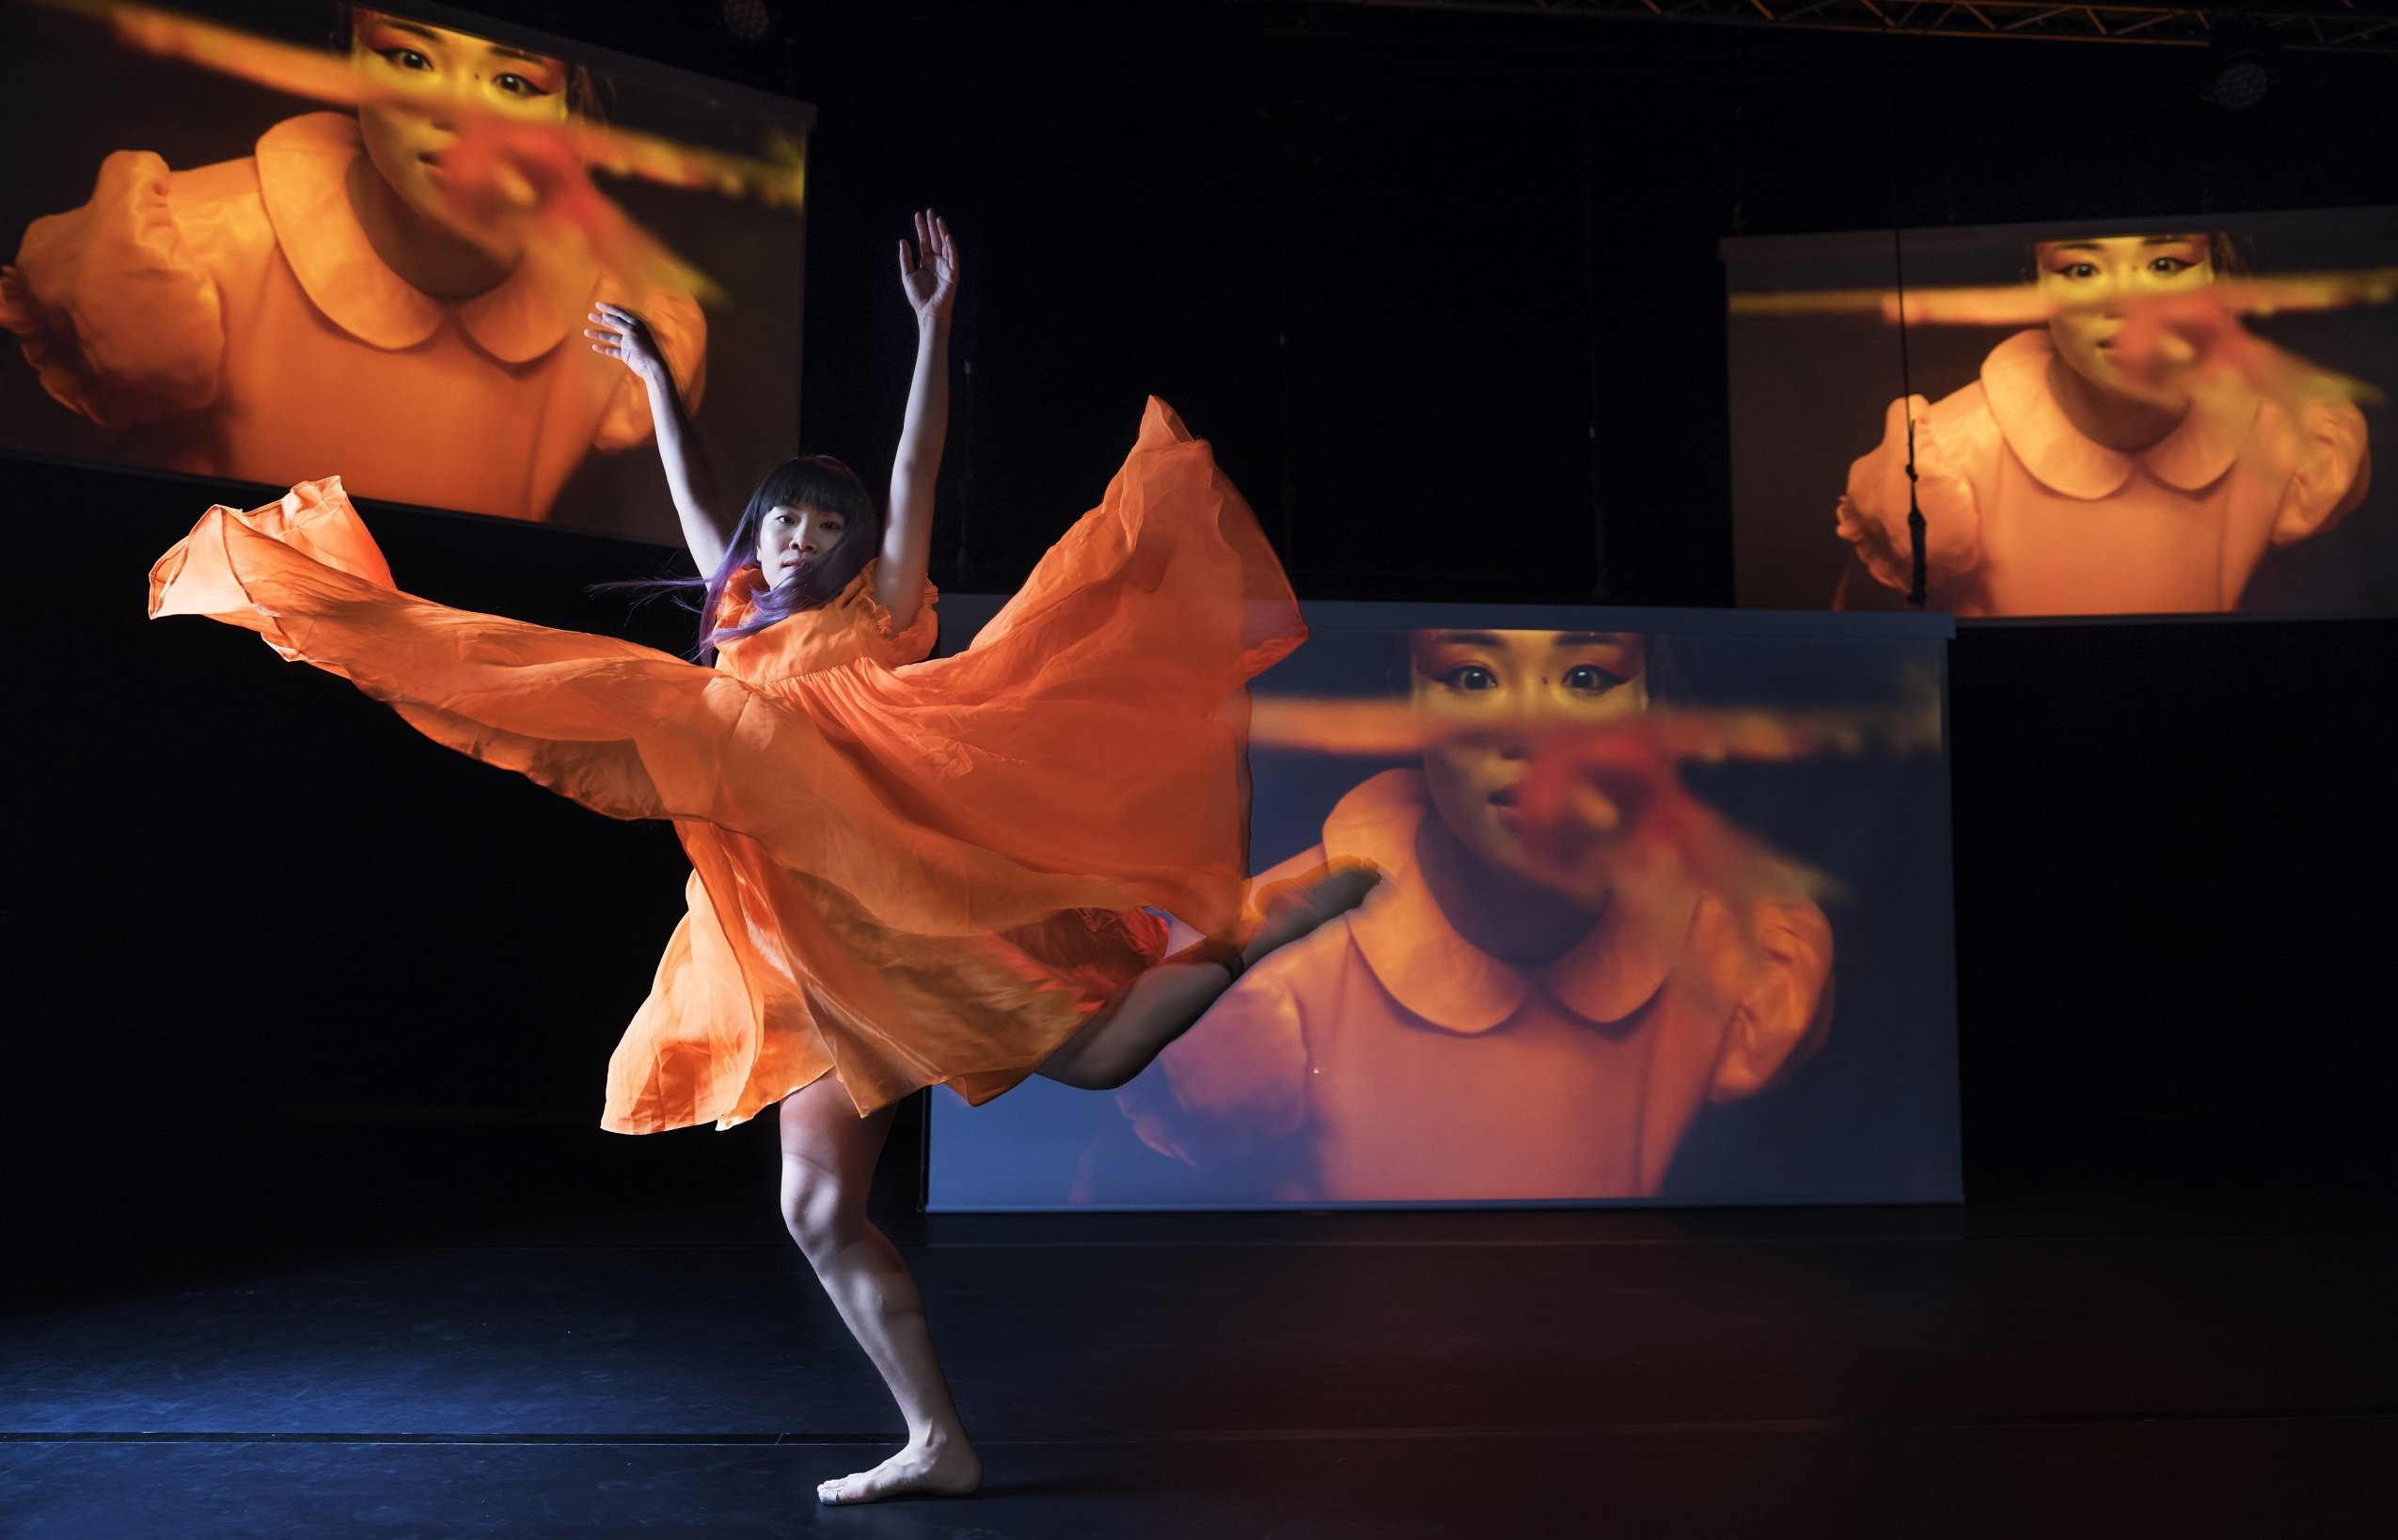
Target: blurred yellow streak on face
x=2091, y=280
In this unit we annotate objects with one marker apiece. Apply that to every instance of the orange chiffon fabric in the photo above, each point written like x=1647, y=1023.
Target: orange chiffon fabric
x=904, y=872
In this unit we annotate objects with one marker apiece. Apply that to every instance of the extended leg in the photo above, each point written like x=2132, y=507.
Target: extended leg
x=828, y=1155
x=1162, y=1003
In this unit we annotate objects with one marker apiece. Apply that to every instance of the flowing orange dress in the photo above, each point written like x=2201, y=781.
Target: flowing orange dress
x=905, y=872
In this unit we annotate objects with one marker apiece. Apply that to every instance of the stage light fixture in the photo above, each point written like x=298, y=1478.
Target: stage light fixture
x=747, y=20
x=2242, y=67
x=2240, y=82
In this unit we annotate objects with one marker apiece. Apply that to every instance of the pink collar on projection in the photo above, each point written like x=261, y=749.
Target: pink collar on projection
x=1446, y=980
x=303, y=166
x=2015, y=380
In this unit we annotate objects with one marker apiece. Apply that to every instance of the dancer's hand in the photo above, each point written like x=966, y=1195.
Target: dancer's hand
x=624, y=335
x=928, y=270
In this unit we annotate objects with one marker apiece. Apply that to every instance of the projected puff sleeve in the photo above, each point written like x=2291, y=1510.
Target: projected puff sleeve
x=1872, y=514
x=681, y=333
x=2330, y=470
x=118, y=320
x=1232, y=1084
x=1782, y=994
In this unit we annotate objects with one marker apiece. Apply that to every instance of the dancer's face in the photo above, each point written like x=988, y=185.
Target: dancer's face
x=789, y=535
x=2092, y=279
x=1563, y=676
x=430, y=73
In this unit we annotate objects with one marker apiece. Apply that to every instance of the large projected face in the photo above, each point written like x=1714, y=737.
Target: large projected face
x=2092, y=284
x=428, y=73
x=2088, y=422
x=1477, y=781
x=392, y=284
x=1621, y=870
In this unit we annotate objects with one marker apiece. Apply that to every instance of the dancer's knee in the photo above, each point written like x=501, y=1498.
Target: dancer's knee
x=1087, y=1068
x=1113, y=1073
x=1105, y=1054
x=819, y=1215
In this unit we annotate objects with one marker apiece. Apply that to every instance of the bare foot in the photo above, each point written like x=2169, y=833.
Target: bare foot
x=1288, y=910
x=950, y=1470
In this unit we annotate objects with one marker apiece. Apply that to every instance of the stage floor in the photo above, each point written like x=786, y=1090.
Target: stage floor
x=2075, y=1361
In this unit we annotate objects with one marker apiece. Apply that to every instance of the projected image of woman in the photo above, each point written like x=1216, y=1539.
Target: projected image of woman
x=2140, y=453
x=905, y=872
x=1486, y=1026
x=334, y=300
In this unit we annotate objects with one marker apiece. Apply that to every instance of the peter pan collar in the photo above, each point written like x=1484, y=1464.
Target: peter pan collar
x=2015, y=380
x=303, y=166
x=1438, y=974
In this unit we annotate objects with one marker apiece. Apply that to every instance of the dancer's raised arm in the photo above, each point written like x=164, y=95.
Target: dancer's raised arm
x=622, y=335
x=928, y=274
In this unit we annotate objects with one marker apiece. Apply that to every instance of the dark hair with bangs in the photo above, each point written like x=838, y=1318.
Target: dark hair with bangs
x=816, y=482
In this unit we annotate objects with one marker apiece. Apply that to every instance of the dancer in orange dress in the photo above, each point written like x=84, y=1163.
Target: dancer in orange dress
x=907, y=872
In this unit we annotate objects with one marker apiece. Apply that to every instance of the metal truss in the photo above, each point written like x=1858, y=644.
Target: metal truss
x=2349, y=27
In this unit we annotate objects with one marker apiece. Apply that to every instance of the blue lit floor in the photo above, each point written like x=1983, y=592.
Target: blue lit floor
x=1924, y=1373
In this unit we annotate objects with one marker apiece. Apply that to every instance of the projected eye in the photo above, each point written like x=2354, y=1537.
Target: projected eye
x=2168, y=266
x=2080, y=271
x=407, y=58
x=517, y=85
x=1589, y=679
x=1471, y=677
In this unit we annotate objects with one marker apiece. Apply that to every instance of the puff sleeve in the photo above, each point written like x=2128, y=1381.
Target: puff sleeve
x=1780, y=986
x=681, y=333
x=2330, y=470
x=121, y=325
x=893, y=645
x=1231, y=1084
x=1873, y=514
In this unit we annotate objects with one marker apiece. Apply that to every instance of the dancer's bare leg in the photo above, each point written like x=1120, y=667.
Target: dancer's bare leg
x=1164, y=1001
x=829, y=1153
